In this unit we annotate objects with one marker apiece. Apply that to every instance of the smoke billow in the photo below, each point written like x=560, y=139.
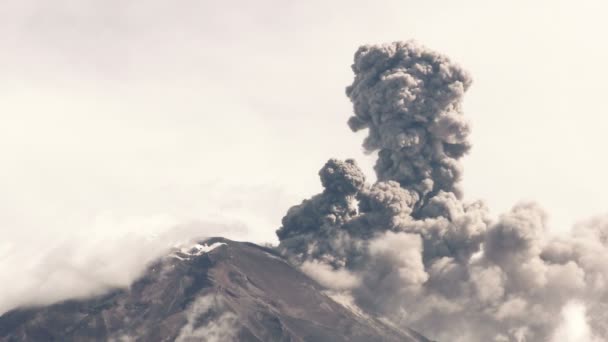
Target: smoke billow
x=410, y=249
x=409, y=99
x=219, y=325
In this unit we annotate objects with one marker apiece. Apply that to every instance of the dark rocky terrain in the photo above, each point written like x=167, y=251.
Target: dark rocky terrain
x=237, y=291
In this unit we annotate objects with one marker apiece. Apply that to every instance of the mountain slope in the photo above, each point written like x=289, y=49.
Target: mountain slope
x=219, y=290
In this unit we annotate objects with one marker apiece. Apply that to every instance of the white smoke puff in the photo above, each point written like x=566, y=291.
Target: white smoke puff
x=574, y=326
x=394, y=267
x=451, y=228
x=513, y=307
x=595, y=229
x=489, y=283
x=585, y=246
x=443, y=273
x=219, y=325
x=403, y=251
x=566, y=281
x=326, y=275
x=517, y=236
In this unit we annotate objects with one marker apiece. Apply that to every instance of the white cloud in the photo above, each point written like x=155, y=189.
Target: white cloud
x=39, y=271
x=574, y=326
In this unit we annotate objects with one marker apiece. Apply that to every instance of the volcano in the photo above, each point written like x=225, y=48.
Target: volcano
x=213, y=290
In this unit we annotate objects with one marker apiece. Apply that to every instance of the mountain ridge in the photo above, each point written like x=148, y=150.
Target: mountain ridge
x=215, y=290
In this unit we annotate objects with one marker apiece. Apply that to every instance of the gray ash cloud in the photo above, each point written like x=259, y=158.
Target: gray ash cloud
x=409, y=98
x=409, y=248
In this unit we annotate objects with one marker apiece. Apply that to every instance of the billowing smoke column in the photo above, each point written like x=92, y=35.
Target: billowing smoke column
x=409, y=98
x=408, y=248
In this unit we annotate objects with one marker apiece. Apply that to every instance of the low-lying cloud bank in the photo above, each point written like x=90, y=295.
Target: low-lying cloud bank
x=41, y=272
x=409, y=248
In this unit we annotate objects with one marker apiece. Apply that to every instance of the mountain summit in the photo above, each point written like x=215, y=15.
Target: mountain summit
x=214, y=290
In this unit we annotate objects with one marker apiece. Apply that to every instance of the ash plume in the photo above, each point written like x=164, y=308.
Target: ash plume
x=410, y=249
x=410, y=100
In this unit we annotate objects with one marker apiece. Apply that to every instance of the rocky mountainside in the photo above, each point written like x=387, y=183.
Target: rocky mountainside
x=216, y=290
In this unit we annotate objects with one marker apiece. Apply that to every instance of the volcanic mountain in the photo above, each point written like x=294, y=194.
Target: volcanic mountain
x=214, y=290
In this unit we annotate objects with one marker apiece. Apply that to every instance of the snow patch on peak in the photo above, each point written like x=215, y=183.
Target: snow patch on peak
x=199, y=249
x=187, y=251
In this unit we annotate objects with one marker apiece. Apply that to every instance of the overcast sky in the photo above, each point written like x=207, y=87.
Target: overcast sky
x=115, y=114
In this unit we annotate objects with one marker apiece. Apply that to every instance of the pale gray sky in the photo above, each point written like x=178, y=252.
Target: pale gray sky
x=114, y=113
